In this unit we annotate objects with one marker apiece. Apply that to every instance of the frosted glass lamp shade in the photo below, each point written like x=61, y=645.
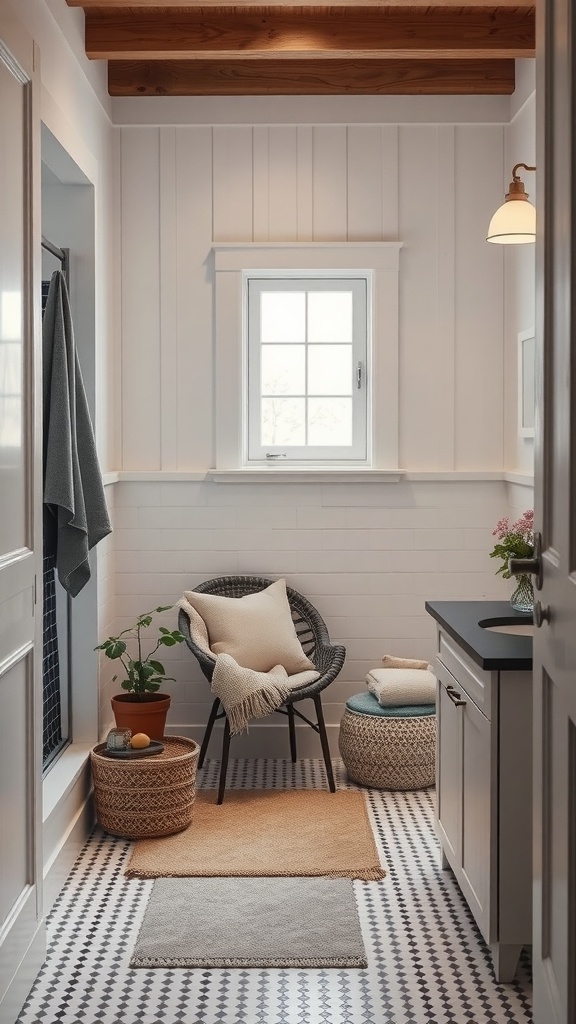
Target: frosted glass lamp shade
x=514, y=223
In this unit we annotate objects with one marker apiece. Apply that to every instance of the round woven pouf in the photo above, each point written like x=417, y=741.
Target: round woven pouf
x=149, y=796
x=388, y=748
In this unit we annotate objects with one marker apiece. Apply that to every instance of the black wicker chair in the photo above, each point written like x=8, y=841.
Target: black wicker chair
x=313, y=636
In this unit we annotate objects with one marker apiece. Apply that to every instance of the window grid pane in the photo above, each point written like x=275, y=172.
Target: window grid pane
x=280, y=336
x=309, y=409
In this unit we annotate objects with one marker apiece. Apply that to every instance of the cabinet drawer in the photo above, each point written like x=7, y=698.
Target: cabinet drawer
x=475, y=681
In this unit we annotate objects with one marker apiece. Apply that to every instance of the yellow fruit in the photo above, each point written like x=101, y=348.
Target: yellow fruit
x=140, y=740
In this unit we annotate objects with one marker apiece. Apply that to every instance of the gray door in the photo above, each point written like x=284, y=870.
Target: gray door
x=555, y=640
x=21, y=927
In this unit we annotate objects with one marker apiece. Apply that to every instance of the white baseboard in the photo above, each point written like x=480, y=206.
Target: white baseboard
x=263, y=740
x=68, y=818
x=25, y=976
x=58, y=869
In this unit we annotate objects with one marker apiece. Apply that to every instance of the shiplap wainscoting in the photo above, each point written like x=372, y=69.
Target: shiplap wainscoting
x=367, y=555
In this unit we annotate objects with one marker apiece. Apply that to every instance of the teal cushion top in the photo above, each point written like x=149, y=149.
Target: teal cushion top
x=366, y=704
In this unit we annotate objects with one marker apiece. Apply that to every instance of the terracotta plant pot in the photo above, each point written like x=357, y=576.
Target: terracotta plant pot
x=145, y=715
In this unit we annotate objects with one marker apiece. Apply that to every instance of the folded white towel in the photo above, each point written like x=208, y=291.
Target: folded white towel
x=389, y=661
x=394, y=687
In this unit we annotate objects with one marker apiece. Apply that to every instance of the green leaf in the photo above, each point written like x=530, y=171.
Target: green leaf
x=168, y=641
x=163, y=629
x=144, y=620
x=178, y=636
x=143, y=670
x=115, y=649
x=158, y=667
x=152, y=687
x=125, y=684
x=163, y=608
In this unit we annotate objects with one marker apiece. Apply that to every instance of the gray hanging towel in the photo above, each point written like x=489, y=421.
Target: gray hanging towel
x=73, y=491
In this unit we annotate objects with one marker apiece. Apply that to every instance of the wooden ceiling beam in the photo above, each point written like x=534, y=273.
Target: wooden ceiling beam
x=310, y=77
x=309, y=33
x=191, y=5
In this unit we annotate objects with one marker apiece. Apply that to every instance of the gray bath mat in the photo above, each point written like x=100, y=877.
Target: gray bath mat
x=250, y=922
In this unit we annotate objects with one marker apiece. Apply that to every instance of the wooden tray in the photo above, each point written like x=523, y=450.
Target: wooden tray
x=155, y=747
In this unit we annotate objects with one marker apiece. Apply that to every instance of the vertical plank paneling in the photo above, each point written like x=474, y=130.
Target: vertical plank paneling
x=479, y=271
x=194, y=278
x=432, y=187
x=446, y=297
x=330, y=218
x=168, y=292
x=260, y=184
x=304, y=172
x=390, y=183
x=519, y=269
x=140, y=299
x=115, y=351
x=364, y=183
x=420, y=371
x=283, y=184
x=233, y=184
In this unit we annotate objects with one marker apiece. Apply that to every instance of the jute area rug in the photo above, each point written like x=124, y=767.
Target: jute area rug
x=267, y=833
x=250, y=922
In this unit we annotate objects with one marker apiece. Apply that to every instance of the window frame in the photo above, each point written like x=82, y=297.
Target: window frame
x=233, y=263
x=358, y=453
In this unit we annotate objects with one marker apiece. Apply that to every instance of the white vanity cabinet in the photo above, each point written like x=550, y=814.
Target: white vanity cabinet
x=484, y=795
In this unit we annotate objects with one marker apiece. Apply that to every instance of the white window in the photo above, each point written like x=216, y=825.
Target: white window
x=307, y=369
x=298, y=325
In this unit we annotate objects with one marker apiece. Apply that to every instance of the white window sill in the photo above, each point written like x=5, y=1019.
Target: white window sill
x=303, y=474
x=62, y=776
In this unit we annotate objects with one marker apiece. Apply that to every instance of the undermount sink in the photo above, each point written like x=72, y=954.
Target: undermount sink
x=509, y=625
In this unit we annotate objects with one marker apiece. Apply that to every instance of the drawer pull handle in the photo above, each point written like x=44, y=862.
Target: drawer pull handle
x=455, y=697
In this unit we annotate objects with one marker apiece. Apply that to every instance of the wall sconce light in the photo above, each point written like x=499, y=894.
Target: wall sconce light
x=514, y=223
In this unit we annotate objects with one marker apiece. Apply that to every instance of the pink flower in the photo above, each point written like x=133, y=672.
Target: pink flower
x=525, y=524
x=502, y=527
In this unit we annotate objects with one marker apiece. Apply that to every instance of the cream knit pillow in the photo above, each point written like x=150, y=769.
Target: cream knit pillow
x=256, y=630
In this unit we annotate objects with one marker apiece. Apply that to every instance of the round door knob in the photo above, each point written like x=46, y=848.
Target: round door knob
x=541, y=613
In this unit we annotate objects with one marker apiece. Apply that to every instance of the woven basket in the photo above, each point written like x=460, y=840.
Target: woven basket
x=389, y=753
x=148, y=797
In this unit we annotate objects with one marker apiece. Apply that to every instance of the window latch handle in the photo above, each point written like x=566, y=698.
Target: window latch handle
x=359, y=375
x=280, y=455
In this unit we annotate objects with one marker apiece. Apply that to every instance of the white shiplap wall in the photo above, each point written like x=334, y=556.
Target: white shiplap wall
x=520, y=278
x=433, y=187
x=367, y=555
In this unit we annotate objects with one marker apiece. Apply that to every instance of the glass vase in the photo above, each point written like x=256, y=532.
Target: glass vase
x=522, y=599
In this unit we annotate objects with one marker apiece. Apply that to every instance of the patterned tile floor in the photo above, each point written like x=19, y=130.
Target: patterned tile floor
x=427, y=961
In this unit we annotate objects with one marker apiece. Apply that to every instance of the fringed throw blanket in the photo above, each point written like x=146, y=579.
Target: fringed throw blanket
x=244, y=692
x=247, y=694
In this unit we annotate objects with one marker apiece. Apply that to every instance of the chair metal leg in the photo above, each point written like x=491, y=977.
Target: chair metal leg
x=292, y=729
x=324, y=742
x=224, y=762
x=208, y=732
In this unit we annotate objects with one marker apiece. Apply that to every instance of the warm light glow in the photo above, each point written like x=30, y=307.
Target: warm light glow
x=514, y=223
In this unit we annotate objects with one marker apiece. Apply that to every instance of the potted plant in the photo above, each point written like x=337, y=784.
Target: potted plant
x=141, y=708
x=516, y=540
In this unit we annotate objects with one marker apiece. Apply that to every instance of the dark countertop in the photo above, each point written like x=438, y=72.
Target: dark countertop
x=489, y=650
